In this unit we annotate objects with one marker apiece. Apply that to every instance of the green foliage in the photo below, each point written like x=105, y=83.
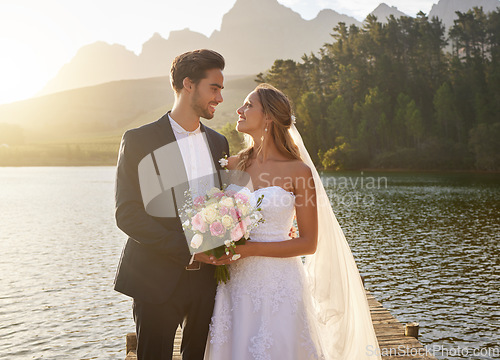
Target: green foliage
x=235, y=139
x=388, y=95
x=61, y=154
x=448, y=121
x=485, y=145
x=338, y=157
x=309, y=111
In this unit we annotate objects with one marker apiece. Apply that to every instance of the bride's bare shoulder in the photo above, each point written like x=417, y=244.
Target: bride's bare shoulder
x=302, y=176
x=301, y=173
x=299, y=168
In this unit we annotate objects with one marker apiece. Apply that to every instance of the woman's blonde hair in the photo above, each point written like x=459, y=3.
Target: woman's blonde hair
x=278, y=108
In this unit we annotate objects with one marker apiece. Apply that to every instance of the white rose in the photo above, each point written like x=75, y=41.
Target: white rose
x=228, y=243
x=244, y=209
x=196, y=241
x=213, y=191
x=227, y=221
x=212, y=201
x=227, y=202
x=209, y=214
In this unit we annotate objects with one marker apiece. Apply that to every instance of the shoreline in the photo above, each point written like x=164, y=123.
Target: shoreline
x=457, y=171
x=367, y=170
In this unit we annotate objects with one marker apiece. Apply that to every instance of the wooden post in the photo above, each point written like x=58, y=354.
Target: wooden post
x=411, y=329
x=131, y=342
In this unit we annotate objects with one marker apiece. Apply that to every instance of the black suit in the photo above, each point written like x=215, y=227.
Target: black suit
x=152, y=266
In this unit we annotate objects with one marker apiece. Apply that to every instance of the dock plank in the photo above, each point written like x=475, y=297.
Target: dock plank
x=393, y=343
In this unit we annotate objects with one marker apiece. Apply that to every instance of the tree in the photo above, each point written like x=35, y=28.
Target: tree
x=337, y=158
x=392, y=94
x=310, y=122
x=234, y=138
x=486, y=147
x=286, y=76
x=448, y=119
x=414, y=123
x=371, y=113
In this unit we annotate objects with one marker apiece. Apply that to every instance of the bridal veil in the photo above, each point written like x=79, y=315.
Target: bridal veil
x=339, y=298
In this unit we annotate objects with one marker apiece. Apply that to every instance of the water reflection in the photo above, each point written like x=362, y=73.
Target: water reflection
x=60, y=247
x=428, y=246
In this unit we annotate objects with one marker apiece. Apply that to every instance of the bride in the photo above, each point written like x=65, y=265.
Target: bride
x=274, y=306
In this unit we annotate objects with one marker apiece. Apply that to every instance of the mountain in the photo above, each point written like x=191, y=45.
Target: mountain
x=384, y=11
x=157, y=53
x=280, y=33
x=445, y=9
x=95, y=64
x=253, y=34
x=107, y=110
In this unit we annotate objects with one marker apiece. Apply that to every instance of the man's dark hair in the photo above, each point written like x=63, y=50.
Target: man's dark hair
x=193, y=65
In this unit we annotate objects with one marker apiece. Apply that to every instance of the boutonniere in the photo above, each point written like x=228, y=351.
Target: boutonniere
x=223, y=161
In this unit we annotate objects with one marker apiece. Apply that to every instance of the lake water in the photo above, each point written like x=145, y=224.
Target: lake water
x=427, y=245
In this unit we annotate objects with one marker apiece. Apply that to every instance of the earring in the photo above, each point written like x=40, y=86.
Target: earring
x=265, y=128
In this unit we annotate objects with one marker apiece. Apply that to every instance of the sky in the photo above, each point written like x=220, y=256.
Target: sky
x=38, y=37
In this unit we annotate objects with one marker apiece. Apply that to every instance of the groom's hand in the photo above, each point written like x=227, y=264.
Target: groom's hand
x=204, y=258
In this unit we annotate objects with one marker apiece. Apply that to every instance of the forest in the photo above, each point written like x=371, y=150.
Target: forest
x=404, y=94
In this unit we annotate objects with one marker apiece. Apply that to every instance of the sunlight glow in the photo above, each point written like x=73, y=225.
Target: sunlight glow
x=38, y=37
x=32, y=48
x=19, y=74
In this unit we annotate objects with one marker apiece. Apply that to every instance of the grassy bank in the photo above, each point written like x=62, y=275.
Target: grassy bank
x=61, y=154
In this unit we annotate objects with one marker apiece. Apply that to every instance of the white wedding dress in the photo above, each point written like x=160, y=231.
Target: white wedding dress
x=270, y=309
x=265, y=311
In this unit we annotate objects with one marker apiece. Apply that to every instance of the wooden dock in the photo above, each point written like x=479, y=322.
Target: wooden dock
x=393, y=343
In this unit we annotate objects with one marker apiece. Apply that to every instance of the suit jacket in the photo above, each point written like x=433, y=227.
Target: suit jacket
x=156, y=252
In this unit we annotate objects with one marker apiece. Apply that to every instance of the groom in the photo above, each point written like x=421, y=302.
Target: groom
x=169, y=286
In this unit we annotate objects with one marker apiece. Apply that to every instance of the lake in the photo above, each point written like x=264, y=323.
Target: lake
x=426, y=243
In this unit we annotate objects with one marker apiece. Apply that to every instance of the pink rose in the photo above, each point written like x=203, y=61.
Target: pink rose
x=238, y=232
x=218, y=195
x=217, y=229
x=235, y=213
x=199, y=201
x=241, y=197
x=247, y=221
x=223, y=211
x=198, y=223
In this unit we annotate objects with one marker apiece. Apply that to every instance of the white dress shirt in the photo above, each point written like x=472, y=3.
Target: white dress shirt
x=197, y=159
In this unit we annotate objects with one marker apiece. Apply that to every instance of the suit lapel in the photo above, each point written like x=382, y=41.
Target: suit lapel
x=167, y=133
x=215, y=152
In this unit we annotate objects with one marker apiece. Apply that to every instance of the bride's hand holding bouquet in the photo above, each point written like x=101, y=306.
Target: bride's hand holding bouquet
x=215, y=223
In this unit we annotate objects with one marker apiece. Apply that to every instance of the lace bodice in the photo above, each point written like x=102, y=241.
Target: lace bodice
x=278, y=210
x=260, y=313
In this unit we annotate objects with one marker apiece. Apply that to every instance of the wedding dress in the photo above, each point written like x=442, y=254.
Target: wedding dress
x=264, y=311
x=277, y=308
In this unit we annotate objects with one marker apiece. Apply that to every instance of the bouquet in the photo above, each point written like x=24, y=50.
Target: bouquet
x=218, y=221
